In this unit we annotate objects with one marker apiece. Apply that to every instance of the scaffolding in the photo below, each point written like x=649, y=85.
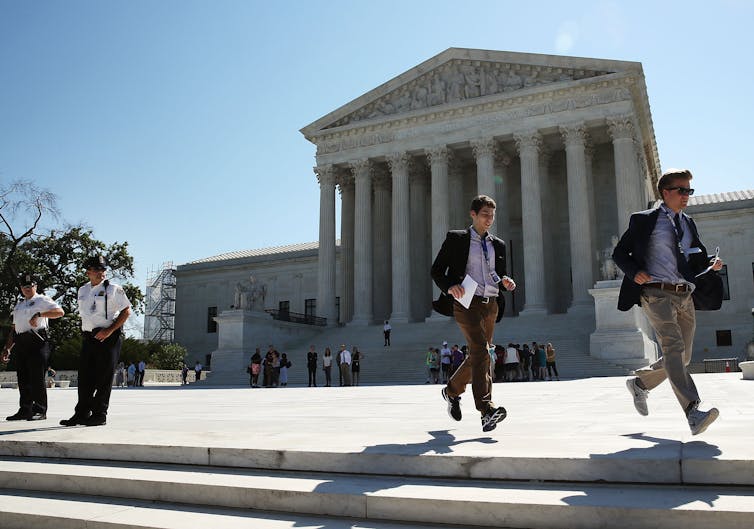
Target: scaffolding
x=159, y=318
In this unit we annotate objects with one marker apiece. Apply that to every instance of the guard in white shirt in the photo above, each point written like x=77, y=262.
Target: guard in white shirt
x=104, y=308
x=30, y=344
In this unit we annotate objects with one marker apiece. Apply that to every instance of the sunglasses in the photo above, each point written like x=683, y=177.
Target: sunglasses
x=682, y=190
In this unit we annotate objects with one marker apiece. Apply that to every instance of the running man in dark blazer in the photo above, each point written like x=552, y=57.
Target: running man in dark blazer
x=661, y=255
x=481, y=255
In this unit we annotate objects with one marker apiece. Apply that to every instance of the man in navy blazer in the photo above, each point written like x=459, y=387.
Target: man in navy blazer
x=481, y=255
x=661, y=255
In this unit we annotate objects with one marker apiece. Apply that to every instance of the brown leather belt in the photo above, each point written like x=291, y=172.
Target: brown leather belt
x=680, y=288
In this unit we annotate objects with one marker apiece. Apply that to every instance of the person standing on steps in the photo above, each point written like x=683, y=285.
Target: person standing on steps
x=476, y=253
x=104, y=308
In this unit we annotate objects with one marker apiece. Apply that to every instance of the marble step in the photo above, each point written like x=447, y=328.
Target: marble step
x=24, y=509
x=483, y=503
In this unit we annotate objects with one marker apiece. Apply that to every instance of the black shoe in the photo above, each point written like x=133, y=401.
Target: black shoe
x=39, y=416
x=454, y=405
x=491, y=417
x=19, y=416
x=95, y=420
x=73, y=421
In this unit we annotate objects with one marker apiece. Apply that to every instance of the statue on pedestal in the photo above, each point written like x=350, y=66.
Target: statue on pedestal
x=249, y=295
x=608, y=269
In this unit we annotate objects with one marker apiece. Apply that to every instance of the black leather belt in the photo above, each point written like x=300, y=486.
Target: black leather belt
x=680, y=288
x=485, y=299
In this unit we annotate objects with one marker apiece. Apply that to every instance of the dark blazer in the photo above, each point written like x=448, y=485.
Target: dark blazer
x=630, y=255
x=449, y=268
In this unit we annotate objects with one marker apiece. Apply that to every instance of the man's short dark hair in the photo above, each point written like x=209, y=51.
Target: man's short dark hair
x=669, y=177
x=482, y=201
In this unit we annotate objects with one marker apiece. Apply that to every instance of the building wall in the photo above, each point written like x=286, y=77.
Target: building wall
x=731, y=227
x=199, y=286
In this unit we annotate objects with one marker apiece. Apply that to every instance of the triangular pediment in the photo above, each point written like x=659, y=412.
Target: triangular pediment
x=458, y=75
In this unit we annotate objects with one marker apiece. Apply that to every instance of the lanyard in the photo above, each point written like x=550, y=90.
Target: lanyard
x=486, y=255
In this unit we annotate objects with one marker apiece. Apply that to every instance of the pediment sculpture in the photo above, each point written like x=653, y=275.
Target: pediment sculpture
x=459, y=80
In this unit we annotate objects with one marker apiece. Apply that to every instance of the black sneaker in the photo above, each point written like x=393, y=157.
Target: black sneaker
x=491, y=417
x=454, y=405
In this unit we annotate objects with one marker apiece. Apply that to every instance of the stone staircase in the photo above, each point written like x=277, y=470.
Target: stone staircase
x=370, y=458
x=403, y=361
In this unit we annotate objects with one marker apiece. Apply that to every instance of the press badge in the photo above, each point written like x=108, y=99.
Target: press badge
x=495, y=278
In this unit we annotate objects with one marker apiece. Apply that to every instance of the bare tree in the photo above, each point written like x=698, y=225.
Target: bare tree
x=22, y=207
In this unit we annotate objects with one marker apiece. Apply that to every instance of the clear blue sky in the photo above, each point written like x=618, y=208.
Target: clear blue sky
x=174, y=124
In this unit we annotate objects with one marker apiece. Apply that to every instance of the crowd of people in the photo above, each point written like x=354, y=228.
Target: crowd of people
x=272, y=368
x=512, y=363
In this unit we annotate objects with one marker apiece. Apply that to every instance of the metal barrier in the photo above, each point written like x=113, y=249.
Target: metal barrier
x=720, y=365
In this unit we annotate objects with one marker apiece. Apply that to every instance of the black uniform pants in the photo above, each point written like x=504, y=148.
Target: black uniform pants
x=32, y=354
x=96, y=371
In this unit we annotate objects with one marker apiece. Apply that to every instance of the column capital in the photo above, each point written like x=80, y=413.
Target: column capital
x=361, y=168
x=574, y=134
x=620, y=127
x=345, y=183
x=325, y=174
x=528, y=140
x=399, y=161
x=381, y=178
x=439, y=154
x=502, y=158
x=483, y=147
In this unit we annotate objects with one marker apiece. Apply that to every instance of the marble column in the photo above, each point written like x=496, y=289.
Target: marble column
x=347, y=197
x=419, y=243
x=502, y=214
x=627, y=183
x=383, y=273
x=589, y=154
x=326, y=256
x=484, y=152
x=459, y=210
x=528, y=145
x=575, y=138
x=439, y=158
x=399, y=168
x=362, y=255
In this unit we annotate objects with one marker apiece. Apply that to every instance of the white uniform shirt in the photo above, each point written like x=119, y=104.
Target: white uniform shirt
x=26, y=308
x=345, y=357
x=92, y=305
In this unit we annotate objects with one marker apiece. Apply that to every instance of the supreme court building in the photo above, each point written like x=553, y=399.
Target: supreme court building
x=565, y=146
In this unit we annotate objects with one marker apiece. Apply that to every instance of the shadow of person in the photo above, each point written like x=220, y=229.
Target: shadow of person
x=655, y=468
x=441, y=442
x=29, y=430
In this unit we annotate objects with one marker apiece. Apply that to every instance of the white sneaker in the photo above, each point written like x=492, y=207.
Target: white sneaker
x=640, y=396
x=700, y=420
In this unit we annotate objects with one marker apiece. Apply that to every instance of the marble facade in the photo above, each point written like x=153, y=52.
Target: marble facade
x=548, y=137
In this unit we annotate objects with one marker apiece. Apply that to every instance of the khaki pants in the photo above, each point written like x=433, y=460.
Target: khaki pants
x=478, y=325
x=673, y=318
x=345, y=370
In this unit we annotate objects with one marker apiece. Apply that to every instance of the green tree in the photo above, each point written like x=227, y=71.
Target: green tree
x=168, y=356
x=55, y=256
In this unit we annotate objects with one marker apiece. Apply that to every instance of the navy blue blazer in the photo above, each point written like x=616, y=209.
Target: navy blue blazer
x=449, y=268
x=630, y=254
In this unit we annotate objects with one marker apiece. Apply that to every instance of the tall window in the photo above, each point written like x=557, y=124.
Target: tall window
x=724, y=276
x=310, y=307
x=211, y=323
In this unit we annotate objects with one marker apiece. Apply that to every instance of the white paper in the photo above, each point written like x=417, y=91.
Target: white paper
x=469, y=287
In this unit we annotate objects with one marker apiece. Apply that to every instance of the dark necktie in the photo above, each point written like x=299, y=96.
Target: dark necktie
x=679, y=229
x=683, y=264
